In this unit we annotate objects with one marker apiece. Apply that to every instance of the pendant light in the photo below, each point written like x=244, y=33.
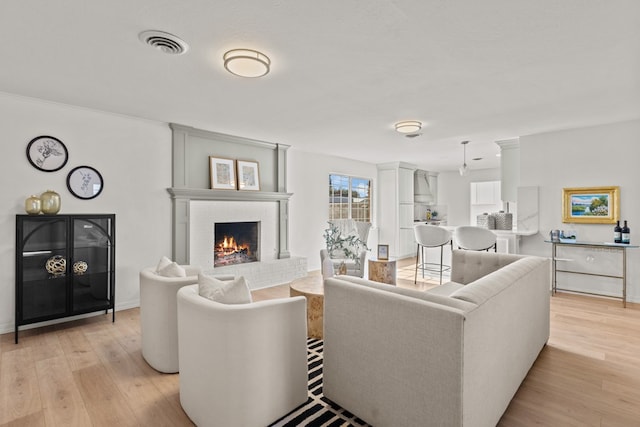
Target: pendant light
x=463, y=169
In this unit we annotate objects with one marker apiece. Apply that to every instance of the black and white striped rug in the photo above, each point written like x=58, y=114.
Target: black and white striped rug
x=318, y=411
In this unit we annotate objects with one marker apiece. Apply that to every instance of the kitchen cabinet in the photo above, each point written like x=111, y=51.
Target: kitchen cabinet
x=65, y=265
x=395, y=208
x=485, y=193
x=509, y=169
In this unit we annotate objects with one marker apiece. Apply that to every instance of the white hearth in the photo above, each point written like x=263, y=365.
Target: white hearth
x=270, y=270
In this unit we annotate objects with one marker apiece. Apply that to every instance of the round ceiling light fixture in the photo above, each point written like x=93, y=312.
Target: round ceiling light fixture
x=408, y=126
x=164, y=42
x=246, y=63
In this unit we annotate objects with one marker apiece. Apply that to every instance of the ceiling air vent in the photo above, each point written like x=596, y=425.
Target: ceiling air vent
x=167, y=43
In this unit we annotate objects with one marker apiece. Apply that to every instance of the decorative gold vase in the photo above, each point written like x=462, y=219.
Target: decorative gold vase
x=50, y=202
x=32, y=205
x=343, y=268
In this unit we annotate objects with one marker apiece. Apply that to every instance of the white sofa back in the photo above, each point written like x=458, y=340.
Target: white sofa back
x=399, y=357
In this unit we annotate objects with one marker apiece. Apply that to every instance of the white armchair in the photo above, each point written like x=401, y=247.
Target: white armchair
x=241, y=364
x=158, y=316
x=355, y=267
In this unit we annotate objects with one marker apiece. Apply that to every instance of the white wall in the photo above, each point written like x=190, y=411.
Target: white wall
x=454, y=191
x=134, y=158
x=604, y=155
x=308, y=179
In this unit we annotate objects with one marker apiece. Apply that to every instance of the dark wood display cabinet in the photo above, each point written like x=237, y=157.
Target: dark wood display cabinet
x=65, y=265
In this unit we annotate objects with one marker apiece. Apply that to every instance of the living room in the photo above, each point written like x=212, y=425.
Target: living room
x=134, y=155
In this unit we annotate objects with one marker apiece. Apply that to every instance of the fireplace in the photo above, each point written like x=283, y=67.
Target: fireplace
x=236, y=243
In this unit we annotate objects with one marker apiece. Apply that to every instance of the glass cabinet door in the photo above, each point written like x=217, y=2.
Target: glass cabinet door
x=44, y=268
x=92, y=264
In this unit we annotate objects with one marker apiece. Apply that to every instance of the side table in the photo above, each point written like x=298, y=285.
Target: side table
x=382, y=270
x=312, y=289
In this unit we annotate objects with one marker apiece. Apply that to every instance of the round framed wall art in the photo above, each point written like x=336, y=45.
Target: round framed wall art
x=85, y=182
x=47, y=153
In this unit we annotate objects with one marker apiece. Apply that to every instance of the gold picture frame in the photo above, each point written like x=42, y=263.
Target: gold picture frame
x=591, y=205
x=248, y=175
x=222, y=173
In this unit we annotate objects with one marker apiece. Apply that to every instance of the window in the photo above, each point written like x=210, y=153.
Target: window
x=349, y=197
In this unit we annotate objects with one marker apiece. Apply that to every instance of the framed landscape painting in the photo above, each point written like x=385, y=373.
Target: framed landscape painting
x=591, y=205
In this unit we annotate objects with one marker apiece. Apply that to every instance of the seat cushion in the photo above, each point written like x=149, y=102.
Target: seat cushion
x=234, y=291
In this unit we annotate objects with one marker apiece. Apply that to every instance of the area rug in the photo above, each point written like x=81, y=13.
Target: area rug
x=317, y=411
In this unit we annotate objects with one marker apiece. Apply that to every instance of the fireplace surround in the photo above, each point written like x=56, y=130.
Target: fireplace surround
x=196, y=208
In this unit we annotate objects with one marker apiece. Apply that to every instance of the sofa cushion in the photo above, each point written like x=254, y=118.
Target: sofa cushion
x=234, y=291
x=468, y=266
x=425, y=296
x=172, y=270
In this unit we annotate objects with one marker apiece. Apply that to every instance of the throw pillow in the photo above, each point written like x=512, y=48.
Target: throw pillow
x=164, y=261
x=234, y=291
x=172, y=270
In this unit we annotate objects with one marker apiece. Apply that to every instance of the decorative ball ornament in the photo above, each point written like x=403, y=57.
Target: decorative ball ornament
x=80, y=267
x=56, y=265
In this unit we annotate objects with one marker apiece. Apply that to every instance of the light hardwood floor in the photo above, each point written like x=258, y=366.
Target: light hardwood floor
x=91, y=372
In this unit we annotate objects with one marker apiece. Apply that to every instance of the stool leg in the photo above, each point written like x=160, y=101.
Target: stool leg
x=424, y=262
x=415, y=279
x=441, y=251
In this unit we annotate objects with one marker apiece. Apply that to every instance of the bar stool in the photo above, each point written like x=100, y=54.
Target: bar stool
x=430, y=236
x=475, y=238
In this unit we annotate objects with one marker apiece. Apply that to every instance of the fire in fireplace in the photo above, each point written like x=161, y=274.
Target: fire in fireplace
x=235, y=243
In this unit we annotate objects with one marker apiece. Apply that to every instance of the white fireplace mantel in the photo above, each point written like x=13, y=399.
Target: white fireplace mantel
x=190, y=180
x=228, y=195
x=182, y=198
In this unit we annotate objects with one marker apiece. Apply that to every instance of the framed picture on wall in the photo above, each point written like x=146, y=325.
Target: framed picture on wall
x=223, y=173
x=248, y=175
x=591, y=205
x=383, y=252
x=85, y=182
x=47, y=153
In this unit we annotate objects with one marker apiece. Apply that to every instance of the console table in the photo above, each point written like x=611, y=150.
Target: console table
x=620, y=247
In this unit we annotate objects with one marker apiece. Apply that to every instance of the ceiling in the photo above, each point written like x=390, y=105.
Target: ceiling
x=343, y=72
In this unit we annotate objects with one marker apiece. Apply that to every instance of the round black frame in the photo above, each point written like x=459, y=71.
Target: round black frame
x=76, y=191
x=38, y=163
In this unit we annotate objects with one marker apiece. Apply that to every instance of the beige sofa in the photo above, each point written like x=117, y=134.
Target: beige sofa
x=451, y=357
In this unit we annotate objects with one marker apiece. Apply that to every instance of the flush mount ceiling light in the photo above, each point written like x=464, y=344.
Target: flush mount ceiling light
x=246, y=62
x=408, y=126
x=463, y=169
x=164, y=42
